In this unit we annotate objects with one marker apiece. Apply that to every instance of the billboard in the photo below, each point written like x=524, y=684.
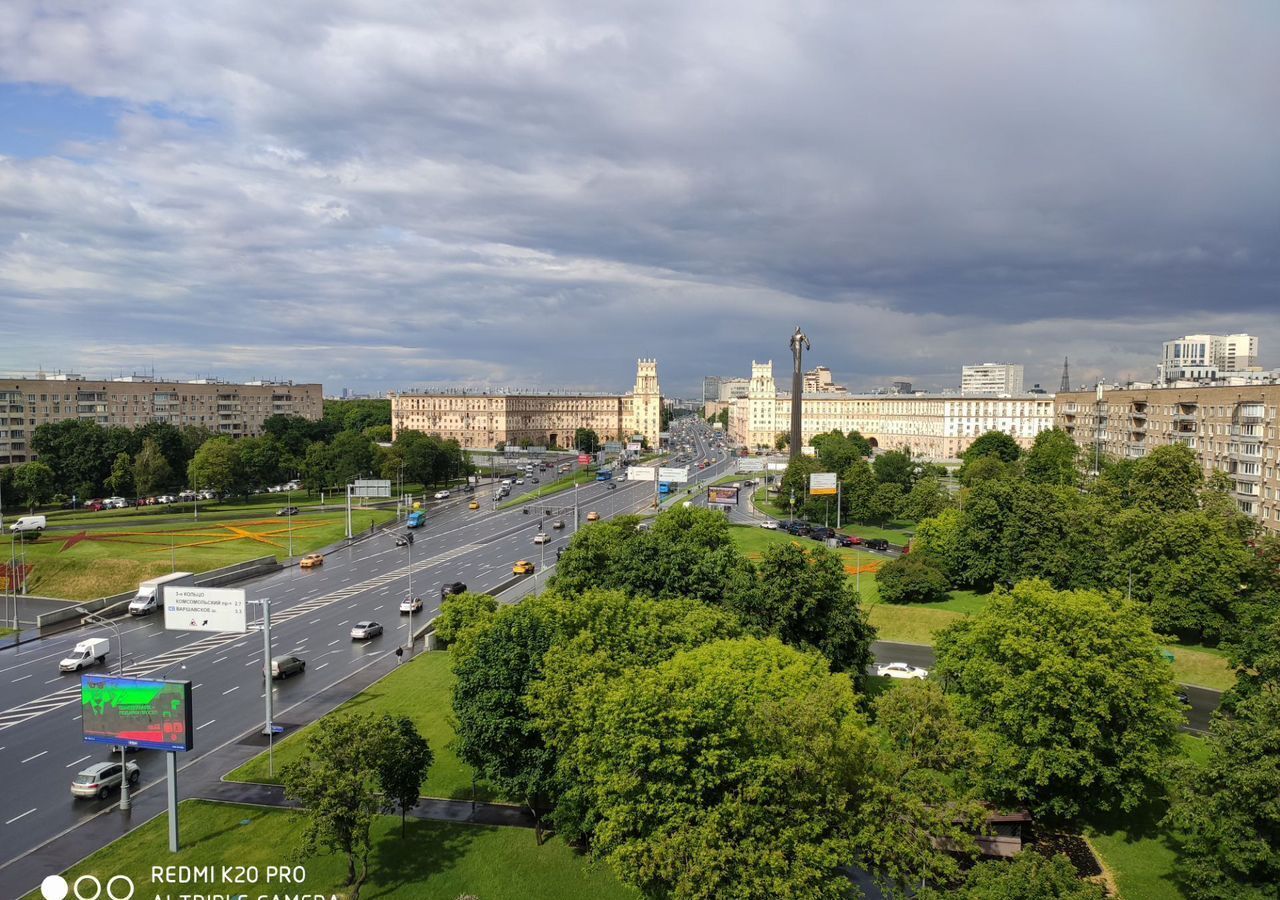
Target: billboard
x=640, y=473
x=822, y=483
x=371, y=487
x=205, y=609
x=584, y=458
x=612, y=446
x=722, y=493
x=675, y=474
x=136, y=712
x=633, y=447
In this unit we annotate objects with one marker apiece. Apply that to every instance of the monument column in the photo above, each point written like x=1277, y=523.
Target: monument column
x=799, y=343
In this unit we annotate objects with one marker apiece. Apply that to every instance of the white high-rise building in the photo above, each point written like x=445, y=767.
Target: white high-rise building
x=991, y=378
x=1205, y=357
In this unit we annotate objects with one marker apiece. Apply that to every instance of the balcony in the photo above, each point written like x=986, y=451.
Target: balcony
x=1180, y=417
x=1247, y=452
x=1252, y=477
x=1135, y=450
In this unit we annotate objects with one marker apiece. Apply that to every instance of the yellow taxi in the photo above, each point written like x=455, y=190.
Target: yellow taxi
x=593, y=516
x=474, y=504
x=523, y=567
x=311, y=560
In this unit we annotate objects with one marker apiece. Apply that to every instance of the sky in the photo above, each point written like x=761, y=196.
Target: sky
x=389, y=195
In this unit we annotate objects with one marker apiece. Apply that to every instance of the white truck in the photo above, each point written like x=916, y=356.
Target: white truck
x=28, y=523
x=86, y=653
x=148, y=598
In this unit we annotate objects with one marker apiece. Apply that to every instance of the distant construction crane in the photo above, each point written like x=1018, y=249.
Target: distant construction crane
x=1066, y=378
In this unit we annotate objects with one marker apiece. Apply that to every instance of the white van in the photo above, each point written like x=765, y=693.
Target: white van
x=28, y=523
x=85, y=654
x=148, y=598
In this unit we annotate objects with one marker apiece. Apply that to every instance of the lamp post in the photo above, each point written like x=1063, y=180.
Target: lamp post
x=125, y=803
x=409, y=537
x=288, y=507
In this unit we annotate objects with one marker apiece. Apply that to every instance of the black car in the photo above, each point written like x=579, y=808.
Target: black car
x=610, y=485
x=875, y=543
x=821, y=534
x=448, y=590
x=469, y=489
x=847, y=540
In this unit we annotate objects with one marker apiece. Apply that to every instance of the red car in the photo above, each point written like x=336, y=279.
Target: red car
x=94, y=506
x=848, y=540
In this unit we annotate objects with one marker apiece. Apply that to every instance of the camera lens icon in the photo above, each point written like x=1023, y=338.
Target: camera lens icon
x=87, y=887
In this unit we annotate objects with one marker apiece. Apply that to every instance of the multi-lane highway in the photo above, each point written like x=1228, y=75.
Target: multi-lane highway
x=312, y=611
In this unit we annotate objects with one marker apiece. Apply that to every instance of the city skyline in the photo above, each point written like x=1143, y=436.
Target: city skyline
x=440, y=197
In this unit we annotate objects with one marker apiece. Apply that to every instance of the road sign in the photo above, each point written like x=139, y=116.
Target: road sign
x=612, y=446
x=679, y=474
x=822, y=483
x=371, y=487
x=633, y=447
x=751, y=464
x=640, y=473
x=204, y=609
x=136, y=712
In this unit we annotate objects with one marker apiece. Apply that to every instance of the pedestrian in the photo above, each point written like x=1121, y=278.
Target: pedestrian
x=399, y=655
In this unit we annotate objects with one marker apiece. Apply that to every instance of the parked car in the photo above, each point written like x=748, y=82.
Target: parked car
x=362, y=631
x=848, y=540
x=875, y=543
x=284, y=666
x=523, y=567
x=287, y=511
x=99, y=779
x=901, y=670
x=442, y=495
x=411, y=604
x=593, y=516
x=311, y=560
x=821, y=533
x=453, y=587
x=541, y=537
x=769, y=524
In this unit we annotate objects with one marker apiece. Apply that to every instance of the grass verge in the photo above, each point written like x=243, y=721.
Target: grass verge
x=435, y=860
x=423, y=691
x=584, y=476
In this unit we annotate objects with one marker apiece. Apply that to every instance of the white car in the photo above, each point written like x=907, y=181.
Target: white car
x=770, y=524
x=411, y=605
x=506, y=481
x=541, y=537
x=901, y=670
x=519, y=481
x=442, y=495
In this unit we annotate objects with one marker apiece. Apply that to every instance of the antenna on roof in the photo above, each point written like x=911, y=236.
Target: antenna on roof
x=1066, y=378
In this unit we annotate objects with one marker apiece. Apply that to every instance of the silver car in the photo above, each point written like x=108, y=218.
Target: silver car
x=362, y=631
x=100, y=779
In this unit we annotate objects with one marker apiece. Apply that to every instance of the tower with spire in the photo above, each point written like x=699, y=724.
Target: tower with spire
x=1066, y=378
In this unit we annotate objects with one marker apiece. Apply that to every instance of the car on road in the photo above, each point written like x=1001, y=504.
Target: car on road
x=901, y=670
x=468, y=489
x=441, y=495
x=311, y=560
x=610, y=486
x=411, y=604
x=402, y=541
x=287, y=511
x=519, y=481
x=593, y=516
x=99, y=779
x=284, y=666
x=362, y=631
x=769, y=524
x=522, y=567
x=452, y=588
x=558, y=524
x=474, y=504
x=86, y=653
x=875, y=543
x=541, y=537
x=506, y=482
x=1183, y=697
x=534, y=479
x=821, y=533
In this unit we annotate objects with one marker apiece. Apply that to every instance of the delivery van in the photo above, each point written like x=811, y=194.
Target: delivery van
x=28, y=523
x=148, y=598
x=85, y=654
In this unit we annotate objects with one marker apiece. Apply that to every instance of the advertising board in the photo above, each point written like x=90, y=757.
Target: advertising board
x=633, y=447
x=722, y=493
x=371, y=487
x=136, y=712
x=205, y=609
x=822, y=483
x=583, y=458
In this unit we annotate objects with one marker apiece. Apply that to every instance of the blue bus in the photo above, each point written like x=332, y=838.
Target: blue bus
x=604, y=475
x=664, y=487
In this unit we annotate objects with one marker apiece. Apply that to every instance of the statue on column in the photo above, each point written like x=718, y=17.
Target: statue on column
x=799, y=344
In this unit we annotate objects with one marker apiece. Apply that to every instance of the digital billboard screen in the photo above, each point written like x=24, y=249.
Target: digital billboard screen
x=136, y=712
x=722, y=494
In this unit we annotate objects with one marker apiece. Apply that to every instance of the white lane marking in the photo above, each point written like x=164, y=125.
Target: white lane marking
x=25, y=677
x=251, y=662
x=37, y=756
x=229, y=690
x=353, y=606
x=16, y=818
x=77, y=762
x=234, y=646
x=313, y=621
x=52, y=680
x=201, y=684
x=219, y=659
x=77, y=718
x=321, y=666
x=331, y=643
x=206, y=724
x=304, y=640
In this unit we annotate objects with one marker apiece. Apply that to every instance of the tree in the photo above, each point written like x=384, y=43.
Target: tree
x=781, y=441
x=926, y=499
x=938, y=540
x=120, y=481
x=461, y=611
x=335, y=780
x=1068, y=695
x=885, y=503
x=1225, y=813
x=923, y=726
x=316, y=467
x=803, y=598
x=151, y=472
x=1168, y=479
x=1054, y=458
x=993, y=443
x=895, y=467
x=1028, y=876
x=35, y=481
x=73, y=449
x=984, y=468
x=836, y=451
x=217, y=466
x=402, y=758
x=263, y=460
x=703, y=761
x=858, y=487
x=351, y=456
x=496, y=733
x=860, y=443
x=585, y=440
x=912, y=579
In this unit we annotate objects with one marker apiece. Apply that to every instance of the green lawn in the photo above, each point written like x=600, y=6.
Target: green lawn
x=421, y=690
x=435, y=860
x=108, y=560
x=582, y=476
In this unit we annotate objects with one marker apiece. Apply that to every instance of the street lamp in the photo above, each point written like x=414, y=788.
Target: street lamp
x=409, y=538
x=125, y=803
x=288, y=507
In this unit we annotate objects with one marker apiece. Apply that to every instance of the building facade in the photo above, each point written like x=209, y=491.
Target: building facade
x=237, y=410
x=1205, y=357
x=931, y=426
x=991, y=378
x=484, y=420
x=818, y=381
x=1231, y=428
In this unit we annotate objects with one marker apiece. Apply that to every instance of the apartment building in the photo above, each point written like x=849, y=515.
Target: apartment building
x=818, y=381
x=991, y=378
x=237, y=410
x=1205, y=357
x=1231, y=428
x=931, y=426
x=483, y=420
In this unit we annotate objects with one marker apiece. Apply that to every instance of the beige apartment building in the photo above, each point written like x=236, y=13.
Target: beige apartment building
x=237, y=410
x=483, y=420
x=931, y=426
x=1232, y=429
